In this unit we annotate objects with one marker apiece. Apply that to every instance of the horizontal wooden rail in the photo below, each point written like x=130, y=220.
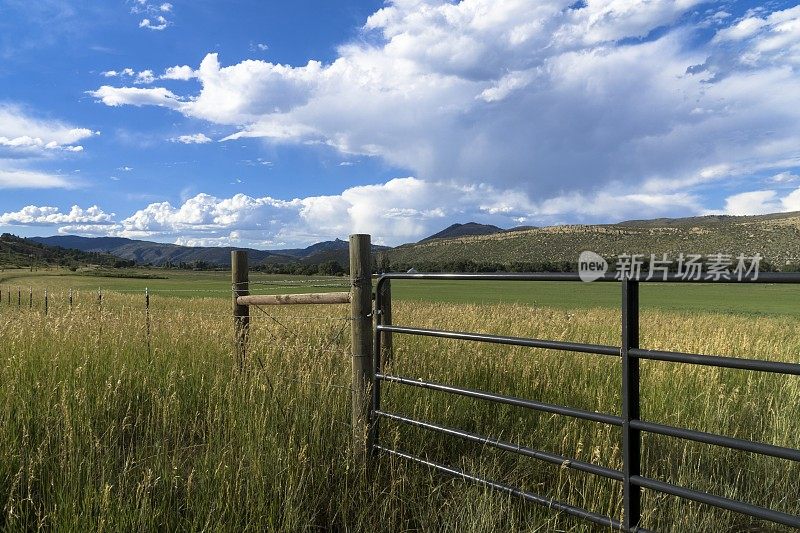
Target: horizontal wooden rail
x=295, y=299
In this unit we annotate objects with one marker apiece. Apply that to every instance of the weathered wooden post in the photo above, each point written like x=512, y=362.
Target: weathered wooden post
x=45, y=302
x=30, y=297
x=361, y=329
x=241, y=313
x=70, y=299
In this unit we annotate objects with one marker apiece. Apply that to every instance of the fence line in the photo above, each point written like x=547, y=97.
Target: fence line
x=369, y=353
x=630, y=353
x=361, y=316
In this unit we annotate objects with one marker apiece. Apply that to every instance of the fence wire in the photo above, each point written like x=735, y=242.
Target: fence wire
x=153, y=311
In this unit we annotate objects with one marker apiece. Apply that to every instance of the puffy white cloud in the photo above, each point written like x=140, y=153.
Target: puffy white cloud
x=206, y=214
x=25, y=139
x=249, y=90
x=144, y=77
x=159, y=23
x=178, y=72
x=116, y=96
x=761, y=202
x=400, y=210
x=752, y=203
x=129, y=72
x=155, y=12
x=610, y=20
x=549, y=98
x=50, y=216
x=196, y=138
x=21, y=132
x=791, y=202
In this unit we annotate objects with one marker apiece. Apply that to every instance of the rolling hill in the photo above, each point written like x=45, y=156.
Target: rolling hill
x=159, y=254
x=775, y=236
x=16, y=252
x=464, y=230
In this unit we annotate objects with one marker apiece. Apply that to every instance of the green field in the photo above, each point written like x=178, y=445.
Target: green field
x=720, y=298
x=171, y=283
x=113, y=419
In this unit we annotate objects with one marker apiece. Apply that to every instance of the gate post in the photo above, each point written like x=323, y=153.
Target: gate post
x=361, y=329
x=631, y=437
x=241, y=313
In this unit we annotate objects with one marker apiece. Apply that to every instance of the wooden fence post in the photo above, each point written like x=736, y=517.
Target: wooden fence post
x=241, y=313
x=45, y=302
x=361, y=329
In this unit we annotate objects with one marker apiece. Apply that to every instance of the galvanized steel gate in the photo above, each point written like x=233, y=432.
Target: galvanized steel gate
x=630, y=422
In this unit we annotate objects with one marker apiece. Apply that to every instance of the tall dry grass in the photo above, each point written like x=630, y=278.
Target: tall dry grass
x=104, y=429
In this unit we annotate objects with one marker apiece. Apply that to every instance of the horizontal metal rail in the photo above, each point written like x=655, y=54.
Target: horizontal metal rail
x=763, y=277
x=718, y=361
x=499, y=339
x=529, y=496
x=718, y=440
x=718, y=501
x=509, y=447
x=508, y=400
x=630, y=354
x=295, y=299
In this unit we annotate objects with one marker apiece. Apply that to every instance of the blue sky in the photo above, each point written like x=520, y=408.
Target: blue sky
x=273, y=124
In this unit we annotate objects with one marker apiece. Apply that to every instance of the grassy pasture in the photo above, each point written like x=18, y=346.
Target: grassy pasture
x=185, y=284
x=103, y=428
x=726, y=299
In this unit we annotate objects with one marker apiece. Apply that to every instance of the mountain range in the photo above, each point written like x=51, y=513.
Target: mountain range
x=159, y=254
x=775, y=236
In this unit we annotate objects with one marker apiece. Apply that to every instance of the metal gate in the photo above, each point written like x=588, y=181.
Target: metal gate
x=630, y=422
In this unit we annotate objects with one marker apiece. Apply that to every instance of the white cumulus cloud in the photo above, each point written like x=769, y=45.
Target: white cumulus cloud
x=159, y=23
x=196, y=138
x=762, y=202
x=21, y=132
x=144, y=77
x=400, y=210
x=52, y=216
x=553, y=98
x=178, y=72
x=116, y=96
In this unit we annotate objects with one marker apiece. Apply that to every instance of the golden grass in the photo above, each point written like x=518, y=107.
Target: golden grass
x=103, y=429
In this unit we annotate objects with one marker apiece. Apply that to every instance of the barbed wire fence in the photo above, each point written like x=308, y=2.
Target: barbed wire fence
x=291, y=324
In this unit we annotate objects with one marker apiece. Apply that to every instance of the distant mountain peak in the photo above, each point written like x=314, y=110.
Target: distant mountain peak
x=464, y=230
